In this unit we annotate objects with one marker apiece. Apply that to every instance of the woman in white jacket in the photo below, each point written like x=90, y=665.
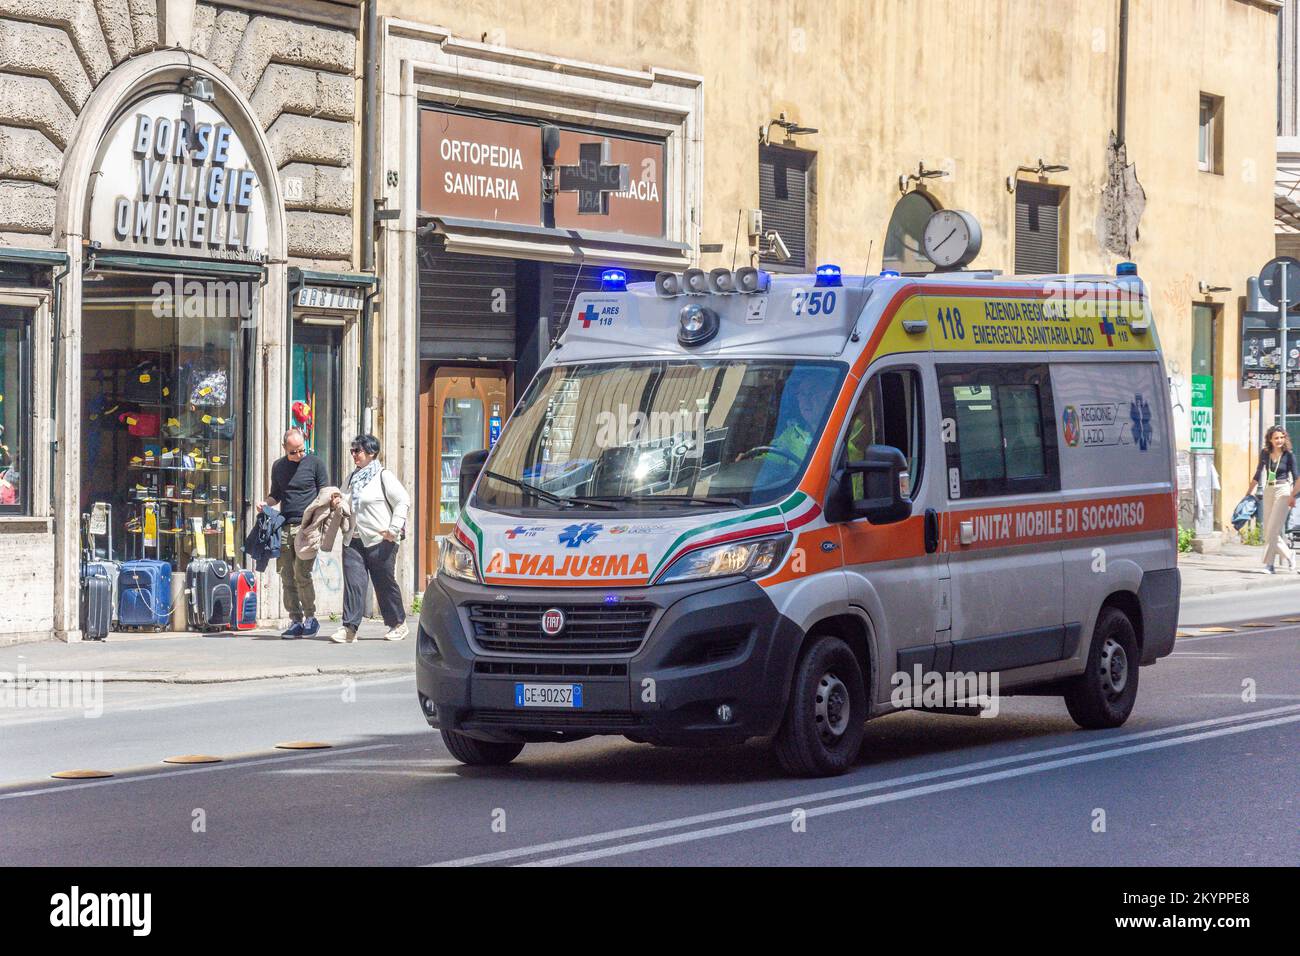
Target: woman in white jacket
x=379, y=508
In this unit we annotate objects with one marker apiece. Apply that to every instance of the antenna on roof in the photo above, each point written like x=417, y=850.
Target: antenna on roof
x=735, y=246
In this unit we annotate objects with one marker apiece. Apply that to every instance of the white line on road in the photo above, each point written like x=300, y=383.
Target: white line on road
x=503, y=855
x=169, y=774
x=783, y=819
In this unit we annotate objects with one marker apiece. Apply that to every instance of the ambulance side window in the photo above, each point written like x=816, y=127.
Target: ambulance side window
x=888, y=413
x=999, y=430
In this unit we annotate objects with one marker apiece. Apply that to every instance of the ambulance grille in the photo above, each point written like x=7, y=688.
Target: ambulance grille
x=588, y=628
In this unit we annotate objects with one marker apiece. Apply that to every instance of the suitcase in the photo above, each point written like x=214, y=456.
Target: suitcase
x=144, y=590
x=96, y=603
x=92, y=559
x=207, y=584
x=244, y=615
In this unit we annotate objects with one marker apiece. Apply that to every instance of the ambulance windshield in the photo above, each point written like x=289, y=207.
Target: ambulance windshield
x=661, y=435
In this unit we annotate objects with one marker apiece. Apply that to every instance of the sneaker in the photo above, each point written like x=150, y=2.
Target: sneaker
x=310, y=627
x=344, y=635
x=294, y=631
x=396, y=633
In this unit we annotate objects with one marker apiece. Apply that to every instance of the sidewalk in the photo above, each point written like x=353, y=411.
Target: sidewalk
x=218, y=658
x=1236, y=568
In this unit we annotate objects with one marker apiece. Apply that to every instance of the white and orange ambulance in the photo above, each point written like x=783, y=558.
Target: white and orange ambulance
x=736, y=505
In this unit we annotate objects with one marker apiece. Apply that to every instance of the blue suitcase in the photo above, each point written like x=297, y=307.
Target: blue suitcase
x=144, y=594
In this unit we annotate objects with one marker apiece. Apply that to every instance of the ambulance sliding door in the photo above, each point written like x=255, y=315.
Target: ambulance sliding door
x=1002, y=483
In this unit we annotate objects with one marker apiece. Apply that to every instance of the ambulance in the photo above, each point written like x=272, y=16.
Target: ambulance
x=738, y=505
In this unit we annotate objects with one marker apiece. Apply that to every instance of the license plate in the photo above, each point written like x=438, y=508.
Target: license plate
x=548, y=695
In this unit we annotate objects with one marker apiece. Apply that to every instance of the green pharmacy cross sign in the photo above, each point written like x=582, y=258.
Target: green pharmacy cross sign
x=594, y=178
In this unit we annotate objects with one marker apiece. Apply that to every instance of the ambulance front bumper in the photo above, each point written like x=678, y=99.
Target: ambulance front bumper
x=711, y=663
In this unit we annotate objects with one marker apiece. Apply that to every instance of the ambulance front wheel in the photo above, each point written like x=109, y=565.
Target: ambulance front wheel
x=479, y=753
x=1103, y=695
x=825, y=718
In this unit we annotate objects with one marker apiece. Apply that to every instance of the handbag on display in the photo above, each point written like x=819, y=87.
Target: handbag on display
x=140, y=424
x=209, y=388
x=214, y=426
x=144, y=383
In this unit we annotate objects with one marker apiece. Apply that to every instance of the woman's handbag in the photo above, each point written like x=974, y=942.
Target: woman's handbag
x=209, y=388
x=1248, y=508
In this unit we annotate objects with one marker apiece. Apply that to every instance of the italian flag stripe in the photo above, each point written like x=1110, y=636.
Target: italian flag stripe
x=796, y=510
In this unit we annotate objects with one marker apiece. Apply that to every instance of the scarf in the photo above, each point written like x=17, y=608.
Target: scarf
x=360, y=478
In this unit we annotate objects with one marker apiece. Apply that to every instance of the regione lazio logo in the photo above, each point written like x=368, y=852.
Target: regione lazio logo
x=1070, y=425
x=552, y=621
x=576, y=535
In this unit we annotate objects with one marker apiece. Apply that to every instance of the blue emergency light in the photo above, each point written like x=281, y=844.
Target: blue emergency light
x=828, y=275
x=889, y=273
x=613, y=280
x=1126, y=269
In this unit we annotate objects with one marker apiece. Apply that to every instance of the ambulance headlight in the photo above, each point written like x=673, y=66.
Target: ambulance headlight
x=457, y=561
x=752, y=559
x=698, y=324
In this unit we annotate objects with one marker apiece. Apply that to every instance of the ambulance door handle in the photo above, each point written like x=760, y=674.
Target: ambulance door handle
x=931, y=531
x=967, y=529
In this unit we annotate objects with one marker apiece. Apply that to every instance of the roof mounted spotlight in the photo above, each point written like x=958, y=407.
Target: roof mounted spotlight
x=668, y=284
x=722, y=280
x=750, y=280
x=695, y=282
x=697, y=325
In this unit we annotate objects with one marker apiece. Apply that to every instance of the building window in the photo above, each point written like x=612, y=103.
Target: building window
x=1209, y=139
x=784, y=187
x=15, y=409
x=1006, y=432
x=1040, y=214
x=904, y=251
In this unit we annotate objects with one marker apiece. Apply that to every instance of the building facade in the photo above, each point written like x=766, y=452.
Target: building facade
x=1081, y=134
x=178, y=281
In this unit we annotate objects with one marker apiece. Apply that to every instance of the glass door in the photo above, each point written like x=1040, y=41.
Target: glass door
x=464, y=409
x=315, y=395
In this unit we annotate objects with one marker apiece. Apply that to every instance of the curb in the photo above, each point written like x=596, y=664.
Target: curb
x=230, y=677
x=1230, y=587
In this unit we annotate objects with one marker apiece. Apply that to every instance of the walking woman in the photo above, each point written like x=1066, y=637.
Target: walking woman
x=379, y=508
x=1276, y=477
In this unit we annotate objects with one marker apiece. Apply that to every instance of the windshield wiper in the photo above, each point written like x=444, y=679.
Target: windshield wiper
x=544, y=495
x=675, y=499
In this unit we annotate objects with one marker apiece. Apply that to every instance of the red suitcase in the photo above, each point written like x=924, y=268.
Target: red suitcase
x=243, y=616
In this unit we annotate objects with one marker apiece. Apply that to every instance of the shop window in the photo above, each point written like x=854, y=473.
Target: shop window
x=15, y=409
x=904, y=251
x=163, y=371
x=1005, y=436
x=315, y=395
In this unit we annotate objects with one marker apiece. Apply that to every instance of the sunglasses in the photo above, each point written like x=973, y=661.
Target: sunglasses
x=295, y=452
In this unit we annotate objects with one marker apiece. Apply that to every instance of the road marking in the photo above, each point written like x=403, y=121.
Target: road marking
x=171, y=774
x=783, y=819
x=503, y=855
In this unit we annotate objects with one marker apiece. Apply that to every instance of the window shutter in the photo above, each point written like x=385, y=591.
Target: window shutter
x=783, y=197
x=462, y=315
x=1038, y=225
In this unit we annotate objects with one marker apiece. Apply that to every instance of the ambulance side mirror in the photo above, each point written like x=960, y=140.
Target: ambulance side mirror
x=884, y=472
x=470, y=465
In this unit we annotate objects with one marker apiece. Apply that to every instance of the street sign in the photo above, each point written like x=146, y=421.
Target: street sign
x=594, y=178
x=1202, y=411
x=1270, y=281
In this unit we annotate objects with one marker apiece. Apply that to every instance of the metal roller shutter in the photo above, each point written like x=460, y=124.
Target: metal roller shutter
x=1038, y=230
x=467, y=306
x=783, y=197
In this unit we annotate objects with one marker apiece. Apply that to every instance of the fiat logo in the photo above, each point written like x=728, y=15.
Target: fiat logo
x=552, y=621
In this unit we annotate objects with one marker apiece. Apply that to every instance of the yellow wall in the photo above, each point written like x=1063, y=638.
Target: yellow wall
x=977, y=88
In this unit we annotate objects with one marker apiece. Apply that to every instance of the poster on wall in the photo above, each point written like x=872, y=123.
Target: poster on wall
x=173, y=177
x=1202, y=411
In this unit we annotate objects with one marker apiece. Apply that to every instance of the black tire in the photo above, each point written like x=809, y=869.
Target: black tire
x=1103, y=695
x=826, y=715
x=479, y=753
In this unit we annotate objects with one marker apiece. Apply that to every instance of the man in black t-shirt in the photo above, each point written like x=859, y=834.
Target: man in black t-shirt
x=296, y=480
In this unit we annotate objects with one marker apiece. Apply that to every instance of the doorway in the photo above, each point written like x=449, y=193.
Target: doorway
x=461, y=410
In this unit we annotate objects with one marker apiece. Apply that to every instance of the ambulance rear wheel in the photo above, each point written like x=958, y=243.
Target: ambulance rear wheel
x=826, y=716
x=1103, y=695
x=479, y=753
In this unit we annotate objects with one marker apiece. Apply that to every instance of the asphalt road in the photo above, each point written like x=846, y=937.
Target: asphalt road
x=1198, y=776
